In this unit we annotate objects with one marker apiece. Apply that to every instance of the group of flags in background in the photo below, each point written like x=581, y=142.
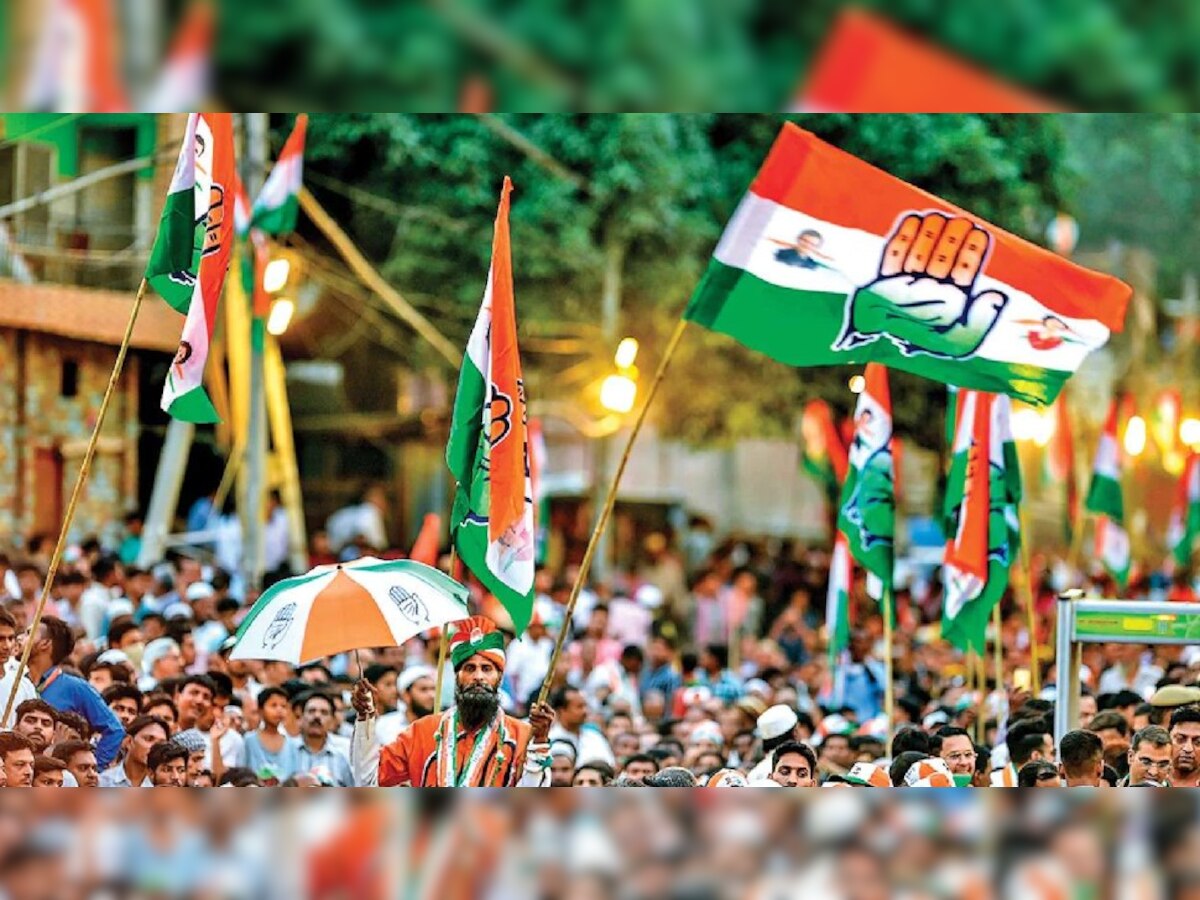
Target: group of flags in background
x=205, y=209
x=77, y=64
x=793, y=256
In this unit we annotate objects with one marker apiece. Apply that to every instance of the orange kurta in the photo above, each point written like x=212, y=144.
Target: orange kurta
x=409, y=760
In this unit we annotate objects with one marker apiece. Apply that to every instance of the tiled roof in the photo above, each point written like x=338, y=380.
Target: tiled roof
x=87, y=314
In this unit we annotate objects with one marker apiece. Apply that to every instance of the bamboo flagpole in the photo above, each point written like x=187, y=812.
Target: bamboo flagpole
x=889, y=690
x=998, y=647
x=1031, y=612
x=609, y=502
x=80, y=480
x=444, y=640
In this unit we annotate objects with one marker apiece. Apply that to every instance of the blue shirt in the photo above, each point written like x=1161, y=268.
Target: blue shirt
x=327, y=759
x=860, y=686
x=71, y=694
x=664, y=679
x=725, y=687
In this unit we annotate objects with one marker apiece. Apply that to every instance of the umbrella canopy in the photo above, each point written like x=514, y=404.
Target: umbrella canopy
x=365, y=603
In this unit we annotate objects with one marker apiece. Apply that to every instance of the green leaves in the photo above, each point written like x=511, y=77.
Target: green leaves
x=664, y=185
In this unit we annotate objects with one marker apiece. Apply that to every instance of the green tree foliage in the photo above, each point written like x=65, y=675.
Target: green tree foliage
x=662, y=188
x=679, y=54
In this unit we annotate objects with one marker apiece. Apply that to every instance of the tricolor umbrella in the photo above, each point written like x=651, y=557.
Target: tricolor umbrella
x=350, y=606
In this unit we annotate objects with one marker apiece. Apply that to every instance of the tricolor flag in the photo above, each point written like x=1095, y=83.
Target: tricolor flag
x=828, y=260
x=1185, y=517
x=984, y=527
x=1105, y=500
x=837, y=599
x=1006, y=447
x=868, y=510
x=184, y=81
x=488, y=452
x=824, y=455
x=77, y=65
x=278, y=204
x=191, y=256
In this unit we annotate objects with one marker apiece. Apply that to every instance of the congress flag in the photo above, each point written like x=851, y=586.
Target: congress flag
x=829, y=260
x=191, y=253
x=488, y=453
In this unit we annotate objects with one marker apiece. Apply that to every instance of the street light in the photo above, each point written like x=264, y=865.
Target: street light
x=618, y=393
x=627, y=352
x=857, y=384
x=275, y=276
x=281, y=316
x=1189, y=432
x=1135, y=436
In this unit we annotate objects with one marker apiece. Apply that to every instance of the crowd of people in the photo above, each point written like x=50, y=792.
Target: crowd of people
x=699, y=664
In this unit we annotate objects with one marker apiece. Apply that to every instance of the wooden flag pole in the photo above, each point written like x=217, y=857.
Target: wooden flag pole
x=444, y=640
x=981, y=718
x=80, y=480
x=889, y=693
x=609, y=502
x=998, y=648
x=1030, y=601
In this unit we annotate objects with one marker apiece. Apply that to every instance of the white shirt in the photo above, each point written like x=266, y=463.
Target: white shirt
x=25, y=691
x=526, y=663
x=349, y=522
x=590, y=744
x=233, y=750
x=275, y=540
x=1143, y=682
x=93, y=608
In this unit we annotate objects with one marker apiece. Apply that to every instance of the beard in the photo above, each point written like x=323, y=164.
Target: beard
x=420, y=710
x=477, y=704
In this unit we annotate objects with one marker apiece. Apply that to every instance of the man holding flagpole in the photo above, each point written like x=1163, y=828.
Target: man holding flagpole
x=474, y=743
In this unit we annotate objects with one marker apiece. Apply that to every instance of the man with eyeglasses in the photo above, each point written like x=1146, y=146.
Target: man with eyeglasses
x=8, y=648
x=1185, y=747
x=1149, y=758
x=957, y=750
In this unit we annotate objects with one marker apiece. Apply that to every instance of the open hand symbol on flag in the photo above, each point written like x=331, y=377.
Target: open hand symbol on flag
x=924, y=298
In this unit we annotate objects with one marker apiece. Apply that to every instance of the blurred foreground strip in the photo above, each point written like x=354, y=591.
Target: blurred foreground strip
x=597, y=844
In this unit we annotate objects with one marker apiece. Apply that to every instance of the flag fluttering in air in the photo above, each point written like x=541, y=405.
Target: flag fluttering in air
x=837, y=599
x=191, y=256
x=278, y=204
x=984, y=490
x=1185, y=517
x=488, y=452
x=1105, y=500
x=868, y=509
x=824, y=454
x=828, y=260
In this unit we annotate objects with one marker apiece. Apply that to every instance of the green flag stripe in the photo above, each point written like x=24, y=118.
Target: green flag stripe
x=798, y=328
x=195, y=407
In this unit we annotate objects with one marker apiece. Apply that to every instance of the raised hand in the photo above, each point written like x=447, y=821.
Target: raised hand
x=541, y=717
x=923, y=298
x=364, y=698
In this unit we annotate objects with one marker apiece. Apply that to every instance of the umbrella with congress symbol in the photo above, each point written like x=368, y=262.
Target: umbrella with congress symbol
x=351, y=606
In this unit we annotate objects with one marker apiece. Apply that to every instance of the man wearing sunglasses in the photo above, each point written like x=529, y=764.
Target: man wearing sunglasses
x=1149, y=758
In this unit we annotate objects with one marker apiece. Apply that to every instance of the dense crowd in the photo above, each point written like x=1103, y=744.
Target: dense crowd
x=701, y=663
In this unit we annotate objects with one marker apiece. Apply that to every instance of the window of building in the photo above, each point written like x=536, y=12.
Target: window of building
x=70, y=378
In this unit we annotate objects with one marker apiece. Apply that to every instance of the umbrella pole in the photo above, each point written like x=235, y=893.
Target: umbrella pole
x=370, y=723
x=444, y=642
